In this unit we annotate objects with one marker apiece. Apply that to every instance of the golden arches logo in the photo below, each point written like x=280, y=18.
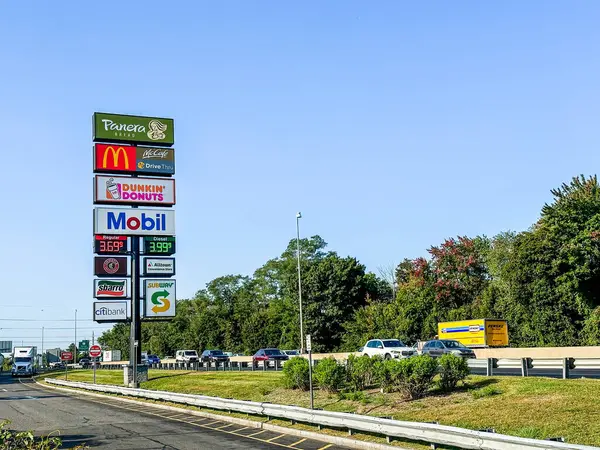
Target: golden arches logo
x=116, y=153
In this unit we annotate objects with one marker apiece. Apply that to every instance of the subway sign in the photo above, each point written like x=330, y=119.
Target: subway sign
x=134, y=222
x=136, y=129
x=116, y=158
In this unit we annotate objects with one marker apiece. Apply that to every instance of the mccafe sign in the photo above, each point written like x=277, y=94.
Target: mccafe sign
x=137, y=129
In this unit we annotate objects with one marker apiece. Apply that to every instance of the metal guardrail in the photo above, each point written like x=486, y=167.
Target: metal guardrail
x=206, y=366
x=423, y=432
x=565, y=365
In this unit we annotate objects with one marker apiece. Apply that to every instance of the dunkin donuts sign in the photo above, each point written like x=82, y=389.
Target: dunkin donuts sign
x=134, y=191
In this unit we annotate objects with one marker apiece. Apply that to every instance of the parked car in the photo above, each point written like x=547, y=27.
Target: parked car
x=153, y=359
x=269, y=354
x=186, y=356
x=388, y=348
x=214, y=356
x=85, y=363
x=292, y=352
x=439, y=347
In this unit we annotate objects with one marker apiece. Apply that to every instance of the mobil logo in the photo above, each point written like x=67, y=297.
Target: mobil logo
x=134, y=222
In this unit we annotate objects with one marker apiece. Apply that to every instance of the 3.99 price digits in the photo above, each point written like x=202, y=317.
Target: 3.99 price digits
x=160, y=247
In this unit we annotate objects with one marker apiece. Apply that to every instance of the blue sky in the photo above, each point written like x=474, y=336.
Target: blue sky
x=390, y=125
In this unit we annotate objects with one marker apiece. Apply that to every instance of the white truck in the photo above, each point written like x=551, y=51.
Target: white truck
x=24, y=361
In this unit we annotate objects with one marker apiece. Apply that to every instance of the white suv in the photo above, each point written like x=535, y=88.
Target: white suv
x=388, y=348
x=186, y=356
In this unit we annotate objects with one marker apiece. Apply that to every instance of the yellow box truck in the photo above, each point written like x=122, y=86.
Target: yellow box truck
x=476, y=332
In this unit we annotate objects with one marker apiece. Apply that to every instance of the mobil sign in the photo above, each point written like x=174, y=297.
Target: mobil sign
x=134, y=222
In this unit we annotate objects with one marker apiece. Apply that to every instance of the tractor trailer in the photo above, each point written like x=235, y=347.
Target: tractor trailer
x=24, y=361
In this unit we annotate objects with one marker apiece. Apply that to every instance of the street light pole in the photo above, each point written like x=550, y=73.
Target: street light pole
x=298, y=217
x=42, y=346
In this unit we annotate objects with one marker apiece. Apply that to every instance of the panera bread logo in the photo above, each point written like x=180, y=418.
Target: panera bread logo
x=155, y=131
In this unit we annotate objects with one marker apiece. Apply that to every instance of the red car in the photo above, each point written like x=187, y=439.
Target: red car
x=269, y=354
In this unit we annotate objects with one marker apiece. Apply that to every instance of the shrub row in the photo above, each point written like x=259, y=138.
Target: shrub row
x=413, y=377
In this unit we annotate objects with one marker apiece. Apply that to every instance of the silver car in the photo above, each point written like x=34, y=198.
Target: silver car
x=440, y=347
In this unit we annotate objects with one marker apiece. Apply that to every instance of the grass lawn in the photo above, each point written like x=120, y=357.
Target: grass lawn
x=532, y=407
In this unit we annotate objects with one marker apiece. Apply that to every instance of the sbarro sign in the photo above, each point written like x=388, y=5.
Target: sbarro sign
x=111, y=311
x=134, y=222
x=134, y=191
x=111, y=288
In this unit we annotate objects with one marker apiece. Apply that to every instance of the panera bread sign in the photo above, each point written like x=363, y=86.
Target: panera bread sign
x=138, y=129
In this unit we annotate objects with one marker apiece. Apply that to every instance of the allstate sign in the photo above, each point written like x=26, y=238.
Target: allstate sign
x=134, y=222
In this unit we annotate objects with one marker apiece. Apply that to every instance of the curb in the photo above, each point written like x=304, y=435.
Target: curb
x=337, y=440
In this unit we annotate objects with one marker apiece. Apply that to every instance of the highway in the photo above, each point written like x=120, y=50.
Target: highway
x=111, y=424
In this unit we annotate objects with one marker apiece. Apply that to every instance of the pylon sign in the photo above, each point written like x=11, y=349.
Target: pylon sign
x=159, y=297
x=125, y=147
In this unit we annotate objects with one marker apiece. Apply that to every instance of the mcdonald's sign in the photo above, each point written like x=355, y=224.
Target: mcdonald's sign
x=114, y=158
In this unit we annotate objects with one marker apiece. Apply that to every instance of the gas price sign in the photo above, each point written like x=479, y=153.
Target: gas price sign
x=110, y=245
x=159, y=245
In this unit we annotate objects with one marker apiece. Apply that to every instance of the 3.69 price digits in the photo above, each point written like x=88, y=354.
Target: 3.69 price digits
x=111, y=246
x=108, y=245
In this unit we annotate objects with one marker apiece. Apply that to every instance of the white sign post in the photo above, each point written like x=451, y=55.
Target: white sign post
x=309, y=350
x=95, y=352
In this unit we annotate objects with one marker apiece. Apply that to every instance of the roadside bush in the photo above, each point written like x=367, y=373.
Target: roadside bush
x=452, y=370
x=25, y=440
x=412, y=376
x=329, y=375
x=363, y=371
x=295, y=373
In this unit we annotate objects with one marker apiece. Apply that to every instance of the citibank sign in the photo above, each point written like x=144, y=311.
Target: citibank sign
x=114, y=311
x=117, y=158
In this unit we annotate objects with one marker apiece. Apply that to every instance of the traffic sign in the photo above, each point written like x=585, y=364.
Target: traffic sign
x=308, y=343
x=66, y=356
x=84, y=346
x=95, y=351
